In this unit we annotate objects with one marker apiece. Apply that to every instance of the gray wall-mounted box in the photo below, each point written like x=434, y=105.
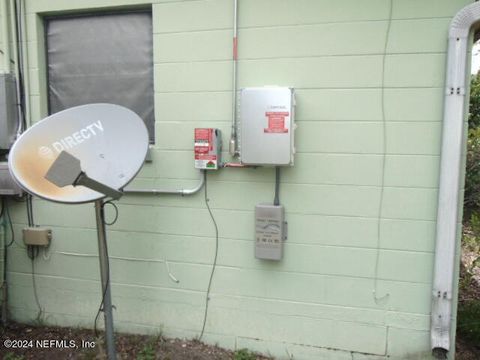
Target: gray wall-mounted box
x=267, y=126
x=270, y=231
x=37, y=236
x=8, y=111
x=7, y=185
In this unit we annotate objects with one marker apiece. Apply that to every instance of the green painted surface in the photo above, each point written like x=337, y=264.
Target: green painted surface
x=317, y=302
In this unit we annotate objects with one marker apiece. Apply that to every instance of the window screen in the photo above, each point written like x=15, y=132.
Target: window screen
x=101, y=58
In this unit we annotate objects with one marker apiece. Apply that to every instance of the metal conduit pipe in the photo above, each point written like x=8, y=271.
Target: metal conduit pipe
x=24, y=56
x=5, y=37
x=182, y=192
x=233, y=145
x=13, y=25
x=448, y=198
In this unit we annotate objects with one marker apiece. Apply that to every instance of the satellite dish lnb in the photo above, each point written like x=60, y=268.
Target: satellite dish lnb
x=105, y=143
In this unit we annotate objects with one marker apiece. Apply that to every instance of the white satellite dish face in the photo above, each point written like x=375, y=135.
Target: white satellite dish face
x=110, y=141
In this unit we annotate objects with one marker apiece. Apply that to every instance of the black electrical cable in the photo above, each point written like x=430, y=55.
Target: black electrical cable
x=107, y=283
x=30, y=211
x=109, y=202
x=2, y=203
x=276, y=200
x=32, y=252
x=10, y=224
x=207, y=298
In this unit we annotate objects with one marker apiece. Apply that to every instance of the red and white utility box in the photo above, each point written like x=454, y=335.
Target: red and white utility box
x=208, y=148
x=267, y=125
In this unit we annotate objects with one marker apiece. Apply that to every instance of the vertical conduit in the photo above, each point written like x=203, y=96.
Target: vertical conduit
x=448, y=197
x=5, y=39
x=233, y=145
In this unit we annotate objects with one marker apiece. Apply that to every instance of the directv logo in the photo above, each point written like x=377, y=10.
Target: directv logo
x=69, y=142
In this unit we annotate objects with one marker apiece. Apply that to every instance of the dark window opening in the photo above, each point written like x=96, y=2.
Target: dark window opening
x=102, y=58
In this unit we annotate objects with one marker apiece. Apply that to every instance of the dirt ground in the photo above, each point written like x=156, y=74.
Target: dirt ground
x=82, y=344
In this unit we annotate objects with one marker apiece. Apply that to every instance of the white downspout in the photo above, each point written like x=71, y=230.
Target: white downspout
x=448, y=197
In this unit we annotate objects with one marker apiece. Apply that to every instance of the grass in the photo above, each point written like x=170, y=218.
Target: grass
x=244, y=354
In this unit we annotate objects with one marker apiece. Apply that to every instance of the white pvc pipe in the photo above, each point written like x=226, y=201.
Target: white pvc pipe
x=448, y=197
x=5, y=37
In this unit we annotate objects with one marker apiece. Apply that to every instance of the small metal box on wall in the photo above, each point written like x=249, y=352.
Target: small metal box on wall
x=8, y=111
x=267, y=125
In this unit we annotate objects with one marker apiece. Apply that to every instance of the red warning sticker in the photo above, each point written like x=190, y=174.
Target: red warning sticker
x=276, y=122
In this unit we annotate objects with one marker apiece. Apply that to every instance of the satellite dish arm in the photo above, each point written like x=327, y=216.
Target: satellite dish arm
x=66, y=170
x=90, y=183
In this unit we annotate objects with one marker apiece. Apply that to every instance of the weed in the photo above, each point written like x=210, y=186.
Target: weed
x=244, y=354
x=148, y=352
x=12, y=356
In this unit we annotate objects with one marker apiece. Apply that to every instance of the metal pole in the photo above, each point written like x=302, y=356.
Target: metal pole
x=105, y=277
x=4, y=283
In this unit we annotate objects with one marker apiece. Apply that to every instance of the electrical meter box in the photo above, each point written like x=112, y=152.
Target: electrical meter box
x=270, y=231
x=8, y=111
x=208, y=148
x=267, y=126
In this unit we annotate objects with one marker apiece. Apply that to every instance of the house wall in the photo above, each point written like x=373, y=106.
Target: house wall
x=318, y=302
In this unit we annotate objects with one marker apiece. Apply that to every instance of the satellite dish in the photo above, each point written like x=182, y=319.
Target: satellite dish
x=110, y=141
x=80, y=155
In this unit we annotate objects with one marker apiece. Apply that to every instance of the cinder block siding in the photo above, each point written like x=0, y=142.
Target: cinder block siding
x=317, y=303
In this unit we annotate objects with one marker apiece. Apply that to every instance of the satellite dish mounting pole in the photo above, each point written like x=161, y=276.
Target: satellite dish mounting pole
x=105, y=279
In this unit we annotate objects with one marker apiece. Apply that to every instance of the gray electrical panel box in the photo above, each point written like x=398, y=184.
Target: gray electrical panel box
x=267, y=126
x=8, y=111
x=270, y=231
x=7, y=185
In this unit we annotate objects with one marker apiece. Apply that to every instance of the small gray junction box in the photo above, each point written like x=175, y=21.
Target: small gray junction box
x=270, y=231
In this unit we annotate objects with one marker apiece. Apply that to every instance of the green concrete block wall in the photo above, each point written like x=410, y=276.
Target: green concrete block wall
x=316, y=303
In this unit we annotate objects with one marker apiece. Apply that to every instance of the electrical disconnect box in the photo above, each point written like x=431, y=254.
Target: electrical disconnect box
x=208, y=148
x=267, y=125
x=7, y=185
x=8, y=111
x=270, y=231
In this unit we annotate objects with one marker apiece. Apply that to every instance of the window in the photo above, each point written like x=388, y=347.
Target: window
x=101, y=58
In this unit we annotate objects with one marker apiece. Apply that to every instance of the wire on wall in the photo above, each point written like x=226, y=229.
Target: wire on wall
x=32, y=252
x=276, y=199
x=207, y=298
x=384, y=298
